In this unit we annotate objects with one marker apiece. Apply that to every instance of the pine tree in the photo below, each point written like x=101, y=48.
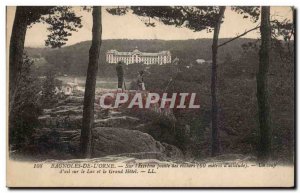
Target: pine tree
x=90, y=86
x=265, y=142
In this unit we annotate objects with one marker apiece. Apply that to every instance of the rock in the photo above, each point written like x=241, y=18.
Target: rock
x=46, y=139
x=234, y=157
x=66, y=112
x=73, y=121
x=67, y=107
x=159, y=132
x=112, y=141
x=101, y=113
x=115, y=113
x=143, y=127
x=123, y=121
x=106, y=141
x=74, y=99
x=48, y=121
x=166, y=136
x=46, y=111
x=128, y=143
x=172, y=151
x=71, y=100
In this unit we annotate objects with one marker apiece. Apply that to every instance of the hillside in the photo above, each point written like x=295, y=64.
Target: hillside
x=236, y=94
x=73, y=59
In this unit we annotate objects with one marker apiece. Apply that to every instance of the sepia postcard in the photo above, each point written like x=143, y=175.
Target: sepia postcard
x=150, y=96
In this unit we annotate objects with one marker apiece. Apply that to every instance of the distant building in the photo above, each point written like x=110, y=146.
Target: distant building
x=69, y=87
x=136, y=56
x=175, y=61
x=200, y=61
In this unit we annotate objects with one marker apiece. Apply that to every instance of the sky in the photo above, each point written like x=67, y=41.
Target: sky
x=130, y=26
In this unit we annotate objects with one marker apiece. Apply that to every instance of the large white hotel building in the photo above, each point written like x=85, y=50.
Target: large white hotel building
x=136, y=56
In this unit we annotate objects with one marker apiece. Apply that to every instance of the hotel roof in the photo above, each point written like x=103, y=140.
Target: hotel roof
x=137, y=52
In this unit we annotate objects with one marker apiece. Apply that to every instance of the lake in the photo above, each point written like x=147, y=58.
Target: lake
x=107, y=83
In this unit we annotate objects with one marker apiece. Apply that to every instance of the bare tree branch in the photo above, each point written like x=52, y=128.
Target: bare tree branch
x=238, y=36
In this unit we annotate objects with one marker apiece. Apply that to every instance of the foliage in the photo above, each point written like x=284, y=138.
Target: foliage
x=196, y=18
x=62, y=20
x=49, y=97
x=24, y=115
x=282, y=39
x=237, y=104
x=246, y=11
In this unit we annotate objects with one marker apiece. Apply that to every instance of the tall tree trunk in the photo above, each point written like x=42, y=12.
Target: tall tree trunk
x=89, y=94
x=16, y=49
x=214, y=105
x=262, y=87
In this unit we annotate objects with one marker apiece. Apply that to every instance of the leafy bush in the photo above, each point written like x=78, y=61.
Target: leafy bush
x=26, y=109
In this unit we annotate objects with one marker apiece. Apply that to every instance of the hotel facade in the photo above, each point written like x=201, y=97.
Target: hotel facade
x=136, y=56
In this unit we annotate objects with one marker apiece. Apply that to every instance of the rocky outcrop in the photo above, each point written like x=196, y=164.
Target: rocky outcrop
x=122, y=121
x=115, y=133
x=47, y=139
x=125, y=142
x=172, y=151
x=74, y=100
x=110, y=141
x=66, y=112
x=73, y=121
